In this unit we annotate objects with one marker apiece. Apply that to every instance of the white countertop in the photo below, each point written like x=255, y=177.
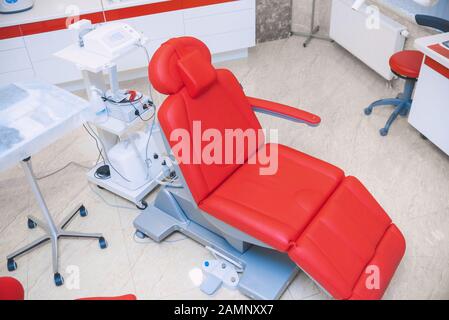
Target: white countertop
x=53, y=9
x=422, y=44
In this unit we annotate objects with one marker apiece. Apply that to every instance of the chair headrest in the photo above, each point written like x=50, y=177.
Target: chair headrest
x=182, y=62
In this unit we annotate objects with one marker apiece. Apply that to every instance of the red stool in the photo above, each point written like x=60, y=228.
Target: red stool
x=12, y=289
x=406, y=65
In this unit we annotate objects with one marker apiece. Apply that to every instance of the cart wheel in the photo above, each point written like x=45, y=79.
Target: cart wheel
x=143, y=205
x=31, y=224
x=59, y=280
x=103, y=243
x=140, y=234
x=12, y=265
x=83, y=211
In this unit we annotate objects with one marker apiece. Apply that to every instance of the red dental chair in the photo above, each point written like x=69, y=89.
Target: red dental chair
x=328, y=224
x=12, y=289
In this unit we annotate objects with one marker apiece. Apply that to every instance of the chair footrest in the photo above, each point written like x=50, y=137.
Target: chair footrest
x=351, y=248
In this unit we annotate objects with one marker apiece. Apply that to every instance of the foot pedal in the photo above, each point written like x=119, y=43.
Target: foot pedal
x=210, y=284
x=220, y=271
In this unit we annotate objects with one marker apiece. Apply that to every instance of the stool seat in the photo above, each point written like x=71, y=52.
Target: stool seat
x=407, y=63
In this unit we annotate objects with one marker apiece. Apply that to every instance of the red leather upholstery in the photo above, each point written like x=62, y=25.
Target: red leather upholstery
x=163, y=69
x=284, y=111
x=213, y=109
x=350, y=233
x=407, y=63
x=196, y=73
x=275, y=208
x=11, y=289
x=329, y=225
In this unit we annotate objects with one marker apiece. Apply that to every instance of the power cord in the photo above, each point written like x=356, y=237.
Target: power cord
x=92, y=133
x=62, y=168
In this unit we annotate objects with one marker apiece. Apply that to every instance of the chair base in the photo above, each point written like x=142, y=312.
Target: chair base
x=166, y=216
x=53, y=238
x=402, y=105
x=52, y=232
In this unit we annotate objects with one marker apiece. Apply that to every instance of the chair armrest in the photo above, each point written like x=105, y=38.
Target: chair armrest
x=284, y=111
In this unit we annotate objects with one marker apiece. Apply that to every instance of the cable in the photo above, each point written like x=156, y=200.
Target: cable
x=96, y=142
x=97, y=138
x=108, y=203
x=150, y=88
x=149, y=136
x=62, y=168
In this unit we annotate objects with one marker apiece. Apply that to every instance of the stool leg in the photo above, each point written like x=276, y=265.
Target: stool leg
x=383, y=102
x=394, y=115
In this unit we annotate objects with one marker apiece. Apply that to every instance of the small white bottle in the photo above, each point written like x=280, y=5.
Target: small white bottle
x=98, y=106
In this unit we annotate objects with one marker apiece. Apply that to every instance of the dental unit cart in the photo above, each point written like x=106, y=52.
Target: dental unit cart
x=429, y=113
x=134, y=163
x=33, y=115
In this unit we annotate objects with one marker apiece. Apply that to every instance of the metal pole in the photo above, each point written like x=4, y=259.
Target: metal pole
x=313, y=33
x=26, y=165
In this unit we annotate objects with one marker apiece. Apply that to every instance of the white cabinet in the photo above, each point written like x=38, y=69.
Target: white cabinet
x=430, y=109
x=13, y=60
x=223, y=27
x=15, y=64
x=13, y=43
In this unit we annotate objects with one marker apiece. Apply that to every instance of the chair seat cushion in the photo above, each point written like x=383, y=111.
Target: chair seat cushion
x=275, y=209
x=350, y=239
x=407, y=63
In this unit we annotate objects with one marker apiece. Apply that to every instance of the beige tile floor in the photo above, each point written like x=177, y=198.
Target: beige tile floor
x=408, y=176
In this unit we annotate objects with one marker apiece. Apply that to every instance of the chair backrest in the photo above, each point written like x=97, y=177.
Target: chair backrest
x=432, y=22
x=200, y=98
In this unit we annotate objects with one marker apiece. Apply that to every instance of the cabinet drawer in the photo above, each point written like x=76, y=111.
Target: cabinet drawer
x=219, y=9
x=157, y=26
x=42, y=46
x=13, y=60
x=231, y=41
x=16, y=76
x=12, y=43
x=222, y=23
x=56, y=70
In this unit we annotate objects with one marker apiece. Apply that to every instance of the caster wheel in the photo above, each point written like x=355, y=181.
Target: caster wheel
x=12, y=265
x=368, y=111
x=31, y=224
x=383, y=132
x=143, y=205
x=140, y=234
x=103, y=243
x=83, y=211
x=59, y=280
